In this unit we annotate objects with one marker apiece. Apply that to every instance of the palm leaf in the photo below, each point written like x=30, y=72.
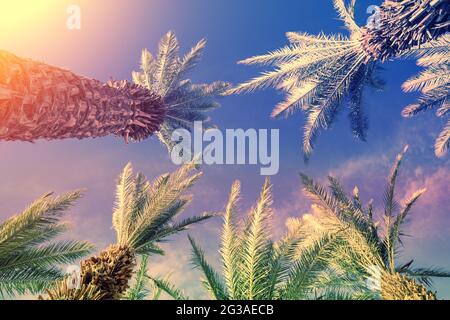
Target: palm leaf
x=212, y=282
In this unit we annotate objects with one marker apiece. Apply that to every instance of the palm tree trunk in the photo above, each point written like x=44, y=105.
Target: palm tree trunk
x=38, y=101
x=404, y=24
x=105, y=276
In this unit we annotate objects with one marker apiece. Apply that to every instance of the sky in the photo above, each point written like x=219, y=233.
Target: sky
x=108, y=45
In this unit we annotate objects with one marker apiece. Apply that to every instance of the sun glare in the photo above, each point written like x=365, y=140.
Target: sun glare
x=17, y=15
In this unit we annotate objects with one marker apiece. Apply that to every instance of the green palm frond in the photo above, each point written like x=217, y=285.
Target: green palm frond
x=426, y=275
x=213, y=283
x=169, y=289
x=27, y=280
x=28, y=259
x=255, y=267
x=57, y=253
x=280, y=264
x=395, y=231
x=359, y=246
x=428, y=80
x=310, y=264
x=165, y=75
x=140, y=290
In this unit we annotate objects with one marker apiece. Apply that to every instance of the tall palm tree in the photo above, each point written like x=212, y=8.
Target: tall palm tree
x=28, y=254
x=144, y=216
x=39, y=101
x=165, y=75
x=254, y=266
x=365, y=252
x=434, y=84
x=320, y=74
x=404, y=24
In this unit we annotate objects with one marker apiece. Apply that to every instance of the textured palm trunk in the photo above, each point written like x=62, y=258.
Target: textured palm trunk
x=103, y=277
x=405, y=24
x=38, y=101
x=399, y=287
x=110, y=271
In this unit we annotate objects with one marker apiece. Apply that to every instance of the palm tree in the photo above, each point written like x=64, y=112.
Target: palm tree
x=434, y=84
x=39, y=101
x=28, y=256
x=365, y=255
x=319, y=74
x=184, y=101
x=144, y=216
x=254, y=267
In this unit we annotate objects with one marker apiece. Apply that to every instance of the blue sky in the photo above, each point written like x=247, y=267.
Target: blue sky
x=109, y=45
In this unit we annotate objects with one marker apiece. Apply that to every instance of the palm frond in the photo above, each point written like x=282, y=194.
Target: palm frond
x=145, y=212
x=169, y=289
x=123, y=206
x=257, y=247
x=308, y=266
x=319, y=74
x=229, y=248
x=347, y=14
x=434, y=84
x=140, y=291
x=395, y=230
x=443, y=141
x=167, y=63
x=28, y=259
x=426, y=275
x=212, y=282
x=390, y=208
x=428, y=80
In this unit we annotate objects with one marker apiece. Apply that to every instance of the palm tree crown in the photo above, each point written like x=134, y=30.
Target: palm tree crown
x=144, y=215
x=364, y=254
x=27, y=257
x=165, y=74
